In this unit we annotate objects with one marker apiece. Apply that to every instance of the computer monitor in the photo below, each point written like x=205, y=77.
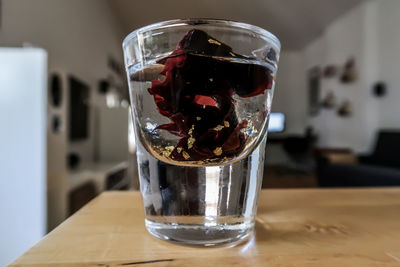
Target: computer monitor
x=276, y=122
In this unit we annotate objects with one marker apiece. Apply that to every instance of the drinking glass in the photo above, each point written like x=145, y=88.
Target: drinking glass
x=201, y=93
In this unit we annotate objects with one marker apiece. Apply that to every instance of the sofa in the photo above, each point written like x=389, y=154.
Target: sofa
x=380, y=168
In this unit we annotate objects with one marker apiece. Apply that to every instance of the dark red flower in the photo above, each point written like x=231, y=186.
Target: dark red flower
x=196, y=96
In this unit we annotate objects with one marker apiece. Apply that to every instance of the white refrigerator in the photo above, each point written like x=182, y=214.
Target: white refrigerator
x=23, y=102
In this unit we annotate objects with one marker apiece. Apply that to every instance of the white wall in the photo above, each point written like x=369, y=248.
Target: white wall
x=351, y=35
x=370, y=33
x=290, y=96
x=78, y=36
x=389, y=61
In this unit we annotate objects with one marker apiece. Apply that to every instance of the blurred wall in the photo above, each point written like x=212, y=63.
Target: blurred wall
x=290, y=96
x=351, y=35
x=79, y=36
x=388, y=34
x=369, y=33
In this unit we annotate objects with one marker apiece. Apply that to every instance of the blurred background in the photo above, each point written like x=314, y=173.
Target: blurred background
x=65, y=128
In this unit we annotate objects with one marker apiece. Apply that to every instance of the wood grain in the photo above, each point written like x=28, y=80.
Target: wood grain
x=313, y=227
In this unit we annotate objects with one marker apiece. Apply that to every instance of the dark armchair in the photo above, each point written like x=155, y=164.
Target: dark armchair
x=381, y=168
x=387, y=150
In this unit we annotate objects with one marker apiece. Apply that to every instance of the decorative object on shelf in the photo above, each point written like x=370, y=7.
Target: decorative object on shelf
x=379, y=89
x=349, y=72
x=314, y=88
x=330, y=71
x=345, y=109
x=329, y=101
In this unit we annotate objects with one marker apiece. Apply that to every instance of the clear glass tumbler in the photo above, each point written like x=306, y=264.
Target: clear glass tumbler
x=201, y=92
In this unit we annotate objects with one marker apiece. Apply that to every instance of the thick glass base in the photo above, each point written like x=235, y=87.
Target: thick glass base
x=200, y=234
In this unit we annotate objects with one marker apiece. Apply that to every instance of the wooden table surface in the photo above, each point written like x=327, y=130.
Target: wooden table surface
x=307, y=227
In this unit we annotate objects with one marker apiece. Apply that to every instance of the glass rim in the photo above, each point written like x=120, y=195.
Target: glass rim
x=199, y=21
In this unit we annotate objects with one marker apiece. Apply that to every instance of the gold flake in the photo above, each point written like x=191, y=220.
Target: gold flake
x=169, y=148
x=198, y=118
x=232, y=54
x=219, y=128
x=191, y=130
x=179, y=149
x=218, y=151
x=166, y=152
x=190, y=142
x=185, y=155
x=226, y=123
x=212, y=41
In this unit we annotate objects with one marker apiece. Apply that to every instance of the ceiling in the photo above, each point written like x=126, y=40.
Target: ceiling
x=294, y=22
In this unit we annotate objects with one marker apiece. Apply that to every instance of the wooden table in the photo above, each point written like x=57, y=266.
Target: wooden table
x=314, y=227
